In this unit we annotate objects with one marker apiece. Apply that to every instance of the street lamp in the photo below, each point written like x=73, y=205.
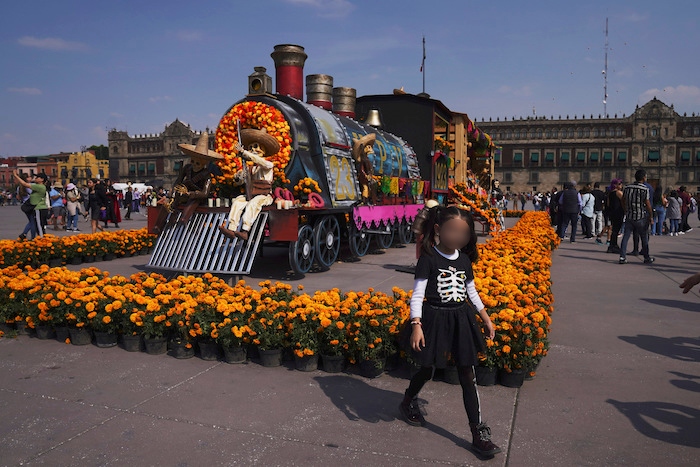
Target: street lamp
x=82, y=150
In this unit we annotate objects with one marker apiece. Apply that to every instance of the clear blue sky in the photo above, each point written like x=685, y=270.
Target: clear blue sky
x=73, y=68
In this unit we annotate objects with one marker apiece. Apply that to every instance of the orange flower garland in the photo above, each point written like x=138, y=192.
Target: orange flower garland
x=252, y=114
x=479, y=204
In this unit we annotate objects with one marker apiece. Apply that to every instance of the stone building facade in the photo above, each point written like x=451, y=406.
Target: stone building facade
x=153, y=159
x=539, y=153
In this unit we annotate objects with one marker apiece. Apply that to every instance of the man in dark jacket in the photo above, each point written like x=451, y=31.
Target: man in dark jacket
x=598, y=220
x=570, y=204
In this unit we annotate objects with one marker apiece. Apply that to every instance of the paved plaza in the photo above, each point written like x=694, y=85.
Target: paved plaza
x=620, y=386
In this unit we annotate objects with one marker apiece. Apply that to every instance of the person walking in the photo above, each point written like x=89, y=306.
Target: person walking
x=37, y=199
x=128, y=200
x=685, y=210
x=659, y=204
x=97, y=202
x=444, y=324
x=598, y=205
x=616, y=213
x=73, y=207
x=673, y=213
x=587, y=211
x=638, y=215
x=570, y=205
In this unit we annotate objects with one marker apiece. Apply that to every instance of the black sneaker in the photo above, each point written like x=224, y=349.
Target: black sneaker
x=623, y=260
x=411, y=413
x=22, y=237
x=649, y=260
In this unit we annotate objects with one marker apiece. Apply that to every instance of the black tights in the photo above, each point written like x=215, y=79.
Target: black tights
x=467, y=380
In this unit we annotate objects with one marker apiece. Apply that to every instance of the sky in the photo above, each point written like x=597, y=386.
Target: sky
x=74, y=69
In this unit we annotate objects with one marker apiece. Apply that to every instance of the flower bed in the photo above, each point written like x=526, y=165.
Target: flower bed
x=360, y=325
x=471, y=200
x=43, y=249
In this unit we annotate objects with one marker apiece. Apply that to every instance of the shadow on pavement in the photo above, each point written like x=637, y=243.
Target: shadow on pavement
x=682, y=423
x=360, y=401
x=686, y=349
x=686, y=383
x=677, y=304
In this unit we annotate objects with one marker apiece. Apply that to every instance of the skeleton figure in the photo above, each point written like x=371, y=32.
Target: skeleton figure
x=452, y=285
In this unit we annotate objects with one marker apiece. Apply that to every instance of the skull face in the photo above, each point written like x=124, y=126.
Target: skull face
x=257, y=149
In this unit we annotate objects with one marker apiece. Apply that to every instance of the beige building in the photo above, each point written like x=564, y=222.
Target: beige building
x=540, y=153
x=154, y=159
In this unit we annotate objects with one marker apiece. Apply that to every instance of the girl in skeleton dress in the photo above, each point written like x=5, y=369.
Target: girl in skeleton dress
x=443, y=316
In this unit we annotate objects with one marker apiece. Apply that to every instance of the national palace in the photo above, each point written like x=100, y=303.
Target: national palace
x=539, y=153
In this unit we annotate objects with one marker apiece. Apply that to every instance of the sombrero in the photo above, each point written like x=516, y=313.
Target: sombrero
x=268, y=142
x=359, y=144
x=201, y=149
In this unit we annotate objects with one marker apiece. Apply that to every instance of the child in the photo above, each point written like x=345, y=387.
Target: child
x=444, y=327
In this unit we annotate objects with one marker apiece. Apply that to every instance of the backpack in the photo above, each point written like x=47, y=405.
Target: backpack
x=693, y=205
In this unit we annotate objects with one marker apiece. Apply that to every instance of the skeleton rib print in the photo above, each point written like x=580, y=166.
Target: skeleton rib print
x=452, y=285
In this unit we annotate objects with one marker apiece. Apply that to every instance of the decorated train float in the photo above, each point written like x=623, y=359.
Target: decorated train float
x=306, y=175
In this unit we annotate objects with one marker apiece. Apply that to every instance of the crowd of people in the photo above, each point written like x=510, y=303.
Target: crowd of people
x=53, y=205
x=637, y=210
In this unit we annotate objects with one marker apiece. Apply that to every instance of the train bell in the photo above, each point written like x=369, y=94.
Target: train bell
x=374, y=119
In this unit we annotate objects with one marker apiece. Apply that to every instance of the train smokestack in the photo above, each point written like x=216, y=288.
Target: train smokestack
x=289, y=69
x=319, y=91
x=344, y=100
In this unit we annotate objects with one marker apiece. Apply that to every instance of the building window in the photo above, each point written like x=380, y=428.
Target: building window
x=580, y=132
x=571, y=132
x=594, y=156
x=618, y=132
x=516, y=134
x=585, y=177
x=653, y=155
x=696, y=131
x=518, y=158
x=685, y=156
x=535, y=157
x=697, y=156
x=151, y=169
x=685, y=176
x=549, y=157
x=621, y=155
x=596, y=132
x=586, y=132
x=563, y=177
x=509, y=134
x=177, y=165
x=565, y=157
x=142, y=169
x=548, y=133
x=534, y=177
x=507, y=177
x=132, y=169
x=607, y=177
x=581, y=157
x=539, y=133
x=654, y=132
x=607, y=156
x=642, y=131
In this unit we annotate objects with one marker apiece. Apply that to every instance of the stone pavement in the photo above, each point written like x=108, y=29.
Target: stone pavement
x=620, y=386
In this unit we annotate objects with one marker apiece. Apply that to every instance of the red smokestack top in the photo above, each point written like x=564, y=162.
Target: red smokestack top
x=289, y=69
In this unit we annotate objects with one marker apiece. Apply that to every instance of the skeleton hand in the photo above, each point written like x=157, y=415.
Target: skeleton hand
x=239, y=147
x=182, y=189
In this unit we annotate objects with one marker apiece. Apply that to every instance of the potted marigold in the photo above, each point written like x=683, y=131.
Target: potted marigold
x=302, y=333
x=371, y=333
x=333, y=341
x=267, y=331
x=233, y=331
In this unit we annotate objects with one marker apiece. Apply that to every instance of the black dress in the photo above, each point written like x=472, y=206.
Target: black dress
x=451, y=330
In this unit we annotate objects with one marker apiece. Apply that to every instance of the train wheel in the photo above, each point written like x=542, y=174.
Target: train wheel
x=358, y=240
x=301, y=252
x=405, y=232
x=385, y=240
x=327, y=240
